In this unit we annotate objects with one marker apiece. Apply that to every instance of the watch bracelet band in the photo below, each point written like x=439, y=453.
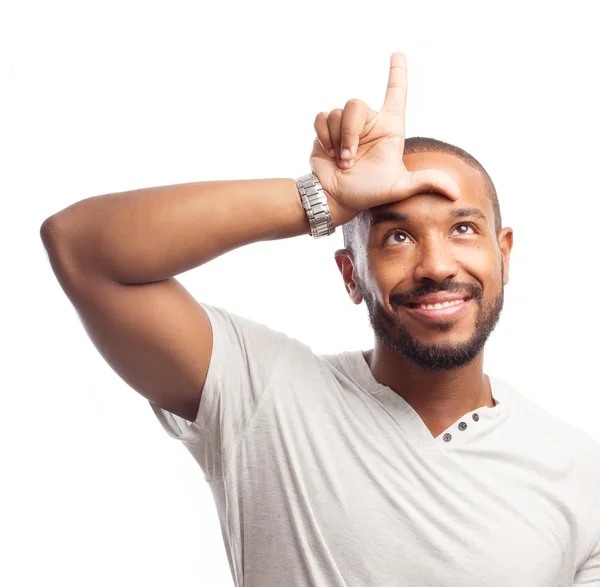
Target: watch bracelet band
x=314, y=202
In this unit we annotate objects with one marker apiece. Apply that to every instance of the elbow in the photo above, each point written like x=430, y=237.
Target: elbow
x=53, y=233
x=60, y=253
x=55, y=228
x=49, y=231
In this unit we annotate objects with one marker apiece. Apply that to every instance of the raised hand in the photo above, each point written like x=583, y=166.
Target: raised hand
x=357, y=154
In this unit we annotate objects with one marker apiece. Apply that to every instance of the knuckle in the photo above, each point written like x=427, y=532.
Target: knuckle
x=354, y=103
x=335, y=114
x=321, y=117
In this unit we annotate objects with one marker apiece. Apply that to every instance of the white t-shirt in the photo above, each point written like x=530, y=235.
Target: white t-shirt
x=324, y=477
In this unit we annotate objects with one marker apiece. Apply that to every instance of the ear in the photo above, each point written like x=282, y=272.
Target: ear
x=345, y=262
x=505, y=242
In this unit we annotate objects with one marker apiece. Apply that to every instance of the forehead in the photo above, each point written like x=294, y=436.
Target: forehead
x=471, y=182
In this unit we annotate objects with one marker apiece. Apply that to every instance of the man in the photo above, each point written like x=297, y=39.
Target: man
x=402, y=465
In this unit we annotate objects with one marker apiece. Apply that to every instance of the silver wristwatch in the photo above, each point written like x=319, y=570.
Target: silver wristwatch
x=314, y=202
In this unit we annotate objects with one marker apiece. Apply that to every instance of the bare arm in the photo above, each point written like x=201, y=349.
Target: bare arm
x=115, y=256
x=155, y=233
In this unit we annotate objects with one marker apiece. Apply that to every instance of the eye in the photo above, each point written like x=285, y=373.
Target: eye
x=403, y=233
x=468, y=225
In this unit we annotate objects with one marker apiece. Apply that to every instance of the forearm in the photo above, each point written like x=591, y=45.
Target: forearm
x=155, y=233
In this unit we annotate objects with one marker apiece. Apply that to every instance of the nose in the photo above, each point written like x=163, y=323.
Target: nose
x=435, y=261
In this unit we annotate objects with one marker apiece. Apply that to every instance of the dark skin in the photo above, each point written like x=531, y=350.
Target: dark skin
x=437, y=367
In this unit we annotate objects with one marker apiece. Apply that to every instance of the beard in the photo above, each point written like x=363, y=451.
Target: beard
x=395, y=335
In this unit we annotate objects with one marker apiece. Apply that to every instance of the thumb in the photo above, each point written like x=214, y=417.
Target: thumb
x=428, y=180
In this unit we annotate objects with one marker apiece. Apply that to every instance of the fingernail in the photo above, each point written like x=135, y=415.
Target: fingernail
x=346, y=154
x=331, y=152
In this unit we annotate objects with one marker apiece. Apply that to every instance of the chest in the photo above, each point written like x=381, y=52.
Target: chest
x=367, y=501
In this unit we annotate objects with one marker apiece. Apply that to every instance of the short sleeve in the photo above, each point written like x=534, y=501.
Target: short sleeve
x=244, y=357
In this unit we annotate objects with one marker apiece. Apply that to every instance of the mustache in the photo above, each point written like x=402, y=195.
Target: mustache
x=398, y=299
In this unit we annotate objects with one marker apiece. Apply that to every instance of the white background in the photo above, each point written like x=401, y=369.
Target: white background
x=108, y=96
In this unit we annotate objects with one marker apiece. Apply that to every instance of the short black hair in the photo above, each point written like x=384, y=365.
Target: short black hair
x=429, y=145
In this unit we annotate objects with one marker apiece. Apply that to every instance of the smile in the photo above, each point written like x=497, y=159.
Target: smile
x=432, y=312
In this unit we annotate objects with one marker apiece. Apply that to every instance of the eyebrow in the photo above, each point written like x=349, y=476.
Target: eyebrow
x=381, y=216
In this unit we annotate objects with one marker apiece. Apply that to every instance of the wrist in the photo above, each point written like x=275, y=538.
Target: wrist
x=339, y=214
x=316, y=205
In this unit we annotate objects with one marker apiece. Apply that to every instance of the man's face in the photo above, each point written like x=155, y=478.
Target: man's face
x=432, y=252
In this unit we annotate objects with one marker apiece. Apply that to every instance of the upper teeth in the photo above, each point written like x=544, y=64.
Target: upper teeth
x=440, y=306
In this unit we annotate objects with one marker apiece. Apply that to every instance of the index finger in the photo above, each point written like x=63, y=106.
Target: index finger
x=395, y=95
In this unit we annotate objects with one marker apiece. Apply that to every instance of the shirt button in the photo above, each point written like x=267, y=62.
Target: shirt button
x=462, y=426
x=476, y=417
x=447, y=437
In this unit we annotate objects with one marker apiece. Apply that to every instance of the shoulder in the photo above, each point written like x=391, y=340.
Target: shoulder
x=539, y=426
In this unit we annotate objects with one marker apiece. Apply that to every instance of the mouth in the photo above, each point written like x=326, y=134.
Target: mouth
x=436, y=312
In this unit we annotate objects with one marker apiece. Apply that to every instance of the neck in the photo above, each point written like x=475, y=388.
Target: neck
x=439, y=398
